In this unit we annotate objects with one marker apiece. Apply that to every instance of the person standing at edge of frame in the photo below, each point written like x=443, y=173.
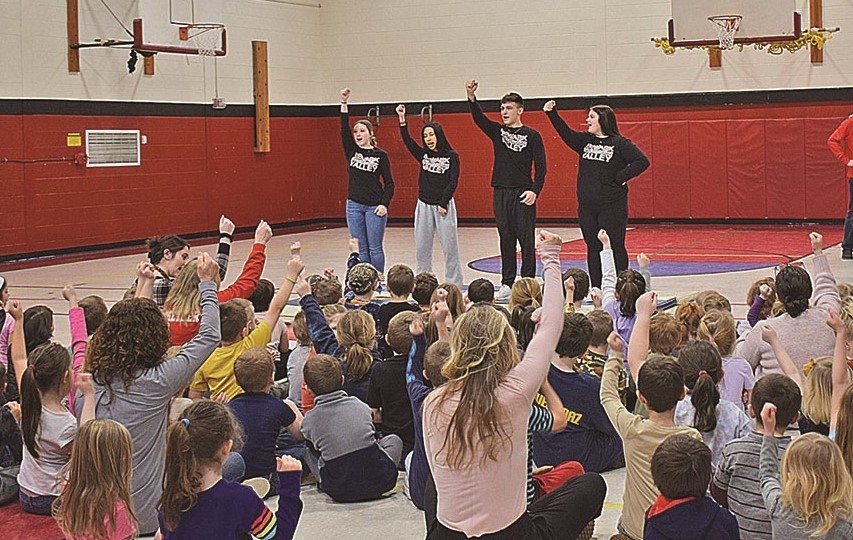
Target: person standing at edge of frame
x=841, y=144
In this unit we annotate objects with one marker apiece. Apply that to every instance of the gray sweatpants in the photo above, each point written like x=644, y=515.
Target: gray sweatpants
x=427, y=222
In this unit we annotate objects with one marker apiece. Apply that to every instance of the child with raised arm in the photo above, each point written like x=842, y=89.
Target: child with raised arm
x=619, y=291
x=813, y=495
x=475, y=427
x=197, y=503
x=436, y=209
x=517, y=150
x=660, y=386
x=369, y=189
x=239, y=333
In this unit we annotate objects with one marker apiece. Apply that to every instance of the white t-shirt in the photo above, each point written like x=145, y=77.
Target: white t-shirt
x=56, y=433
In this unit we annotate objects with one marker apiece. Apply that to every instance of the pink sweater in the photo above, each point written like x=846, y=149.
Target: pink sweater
x=79, y=339
x=485, y=498
x=805, y=336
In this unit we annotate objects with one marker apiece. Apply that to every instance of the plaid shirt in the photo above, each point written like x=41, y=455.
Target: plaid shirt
x=163, y=283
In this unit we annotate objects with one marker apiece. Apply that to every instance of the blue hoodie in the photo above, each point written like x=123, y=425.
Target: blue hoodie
x=693, y=519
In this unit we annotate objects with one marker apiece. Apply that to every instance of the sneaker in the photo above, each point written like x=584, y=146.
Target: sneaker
x=503, y=294
x=261, y=486
x=847, y=253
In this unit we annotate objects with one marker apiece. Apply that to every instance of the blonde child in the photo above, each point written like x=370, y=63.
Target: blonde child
x=525, y=292
x=718, y=327
x=198, y=503
x=95, y=503
x=814, y=496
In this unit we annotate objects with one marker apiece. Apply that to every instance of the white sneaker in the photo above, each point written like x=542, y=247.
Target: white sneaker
x=261, y=486
x=503, y=294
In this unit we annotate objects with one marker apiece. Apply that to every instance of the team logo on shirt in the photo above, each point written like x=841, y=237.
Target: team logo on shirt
x=598, y=152
x=364, y=163
x=514, y=141
x=437, y=165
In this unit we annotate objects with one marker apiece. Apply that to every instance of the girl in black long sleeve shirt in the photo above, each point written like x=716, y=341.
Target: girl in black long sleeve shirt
x=607, y=161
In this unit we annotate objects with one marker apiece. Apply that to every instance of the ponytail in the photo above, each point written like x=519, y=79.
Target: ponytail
x=358, y=360
x=630, y=285
x=356, y=333
x=48, y=367
x=703, y=369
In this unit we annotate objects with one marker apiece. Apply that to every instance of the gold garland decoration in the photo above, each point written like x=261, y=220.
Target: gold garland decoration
x=816, y=38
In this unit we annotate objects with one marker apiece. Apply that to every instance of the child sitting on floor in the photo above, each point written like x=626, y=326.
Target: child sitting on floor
x=425, y=284
x=11, y=444
x=718, y=327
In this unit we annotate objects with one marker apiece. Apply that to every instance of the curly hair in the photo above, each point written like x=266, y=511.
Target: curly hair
x=133, y=337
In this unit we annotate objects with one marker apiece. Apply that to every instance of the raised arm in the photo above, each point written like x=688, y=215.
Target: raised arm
x=575, y=140
x=620, y=417
x=145, y=276
x=768, y=461
x=79, y=338
x=223, y=250
x=840, y=371
x=754, y=314
x=491, y=129
x=414, y=369
x=789, y=368
x=537, y=359
x=825, y=293
x=643, y=262
x=608, y=269
x=637, y=161
x=638, y=347
x=289, y=509
x=247, y=281
x=18, y=349
x=414, y=149
x=346, y=130
x=321, y=335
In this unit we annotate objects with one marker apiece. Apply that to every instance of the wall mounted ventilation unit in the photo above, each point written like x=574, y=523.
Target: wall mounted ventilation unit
x=113, y=147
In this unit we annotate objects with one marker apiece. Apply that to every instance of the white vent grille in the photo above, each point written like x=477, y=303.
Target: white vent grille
x=112, y=148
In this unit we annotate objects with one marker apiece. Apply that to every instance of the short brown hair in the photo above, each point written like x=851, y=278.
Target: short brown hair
x=425, y=284
x=300, y=328
x=253, y=369
x=574, y=339
x=581, y=279
x=602, y=325
x=481, y=290
x=401, y=280
x=94, y=311
x=398, y=336
x=327, y=291
x=436, y=356
x=713, y=300
x=322, y=374
x=780, y=390
x=233, y=318
x=681, y=467
x=661, y=382
x=664, y=333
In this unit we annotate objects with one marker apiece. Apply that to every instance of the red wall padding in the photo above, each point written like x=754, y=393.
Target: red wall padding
x=744, y=162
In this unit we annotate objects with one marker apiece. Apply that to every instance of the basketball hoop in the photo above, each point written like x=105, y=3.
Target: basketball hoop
x=727, y=26
x=206, y=37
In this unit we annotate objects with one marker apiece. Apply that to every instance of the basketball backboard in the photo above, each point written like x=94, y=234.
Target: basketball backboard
x=763, y=21
x=180, y=26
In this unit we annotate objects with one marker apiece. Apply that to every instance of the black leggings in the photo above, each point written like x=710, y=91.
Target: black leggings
x=563, y=513
x=614, y=220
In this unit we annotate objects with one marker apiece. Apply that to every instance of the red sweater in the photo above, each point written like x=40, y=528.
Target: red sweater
x=841, y=143
x=183, y=331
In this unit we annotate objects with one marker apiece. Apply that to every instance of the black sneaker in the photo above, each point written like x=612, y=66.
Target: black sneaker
x=847, y=253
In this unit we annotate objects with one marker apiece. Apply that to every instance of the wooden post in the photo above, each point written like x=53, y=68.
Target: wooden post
x=148, y=63
x=816, y=21
x=715, y=58
x=73, y=29
x=262, y=96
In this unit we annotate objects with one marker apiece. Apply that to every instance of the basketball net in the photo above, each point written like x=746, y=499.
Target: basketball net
x=727, y=26
x=207, y=38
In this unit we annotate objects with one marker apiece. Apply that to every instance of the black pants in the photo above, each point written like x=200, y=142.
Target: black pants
x=848, y=221
x=614, y=220
x=561, y=514
x=516, y=223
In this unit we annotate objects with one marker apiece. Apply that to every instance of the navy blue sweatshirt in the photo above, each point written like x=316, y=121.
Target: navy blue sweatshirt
x=697, y=519
x=439, y=174
x=606, y=164
x=517, y=150
x=365, y=166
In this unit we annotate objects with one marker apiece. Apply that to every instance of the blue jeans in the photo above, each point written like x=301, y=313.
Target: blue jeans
x=369, y=229
x=36, y=504
x=234, y=468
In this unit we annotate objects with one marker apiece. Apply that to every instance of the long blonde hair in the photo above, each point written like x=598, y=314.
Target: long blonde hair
x=525, y=292
x=817, y=393
x=718, y=327
x=184, y=300
x=815, y=483
x=844, y=429
x=356, y=332
x=99, y=476
x=483, y=351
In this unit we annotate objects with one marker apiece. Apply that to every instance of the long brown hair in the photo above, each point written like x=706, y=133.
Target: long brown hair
x=48, y=367
x=703, y=369
x=356, y=333
x=99, y=476
x=193, y=442
x=484, y=350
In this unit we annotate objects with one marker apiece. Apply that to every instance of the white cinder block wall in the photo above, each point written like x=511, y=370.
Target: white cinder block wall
x=406, y=50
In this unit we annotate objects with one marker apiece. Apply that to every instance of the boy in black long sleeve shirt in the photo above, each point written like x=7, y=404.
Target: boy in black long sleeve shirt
x=518, y=149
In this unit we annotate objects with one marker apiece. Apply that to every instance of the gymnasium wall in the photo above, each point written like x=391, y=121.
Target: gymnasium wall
x=744, y=142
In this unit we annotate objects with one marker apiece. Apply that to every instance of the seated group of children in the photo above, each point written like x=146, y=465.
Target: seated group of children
x=667, y=397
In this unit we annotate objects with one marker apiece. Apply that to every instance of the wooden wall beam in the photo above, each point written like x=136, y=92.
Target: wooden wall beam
x=73, y=29
x=148, y=64
x=816, y=21
x=262, y=96
x=715, y=58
